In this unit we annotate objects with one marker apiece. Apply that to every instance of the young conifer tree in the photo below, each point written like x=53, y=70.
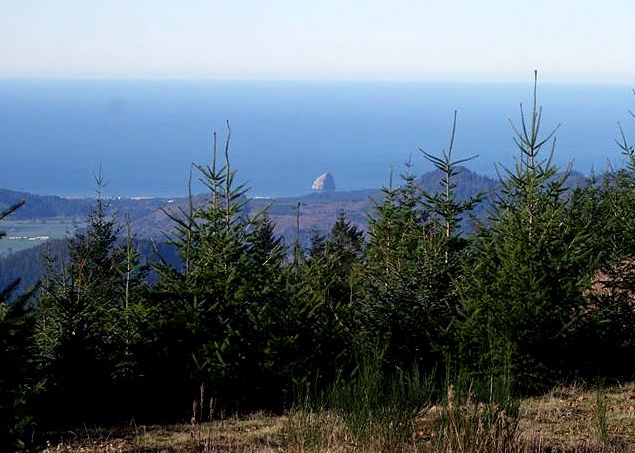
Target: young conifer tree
x=414, y=257
x=16, y=373
x=521, y=291
x=214, y=308
x=607, y=204
x=332, y=291
x=84, y=322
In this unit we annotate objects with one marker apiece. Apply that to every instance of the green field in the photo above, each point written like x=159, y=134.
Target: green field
x=24, y=234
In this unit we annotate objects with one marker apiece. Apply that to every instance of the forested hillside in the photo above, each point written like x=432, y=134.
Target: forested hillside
x=30, y=265
x=150, y=219
x=318, y=210
x=38, y=207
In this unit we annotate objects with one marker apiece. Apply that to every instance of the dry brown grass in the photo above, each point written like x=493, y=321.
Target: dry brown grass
x=255, y=434
x=567, y=419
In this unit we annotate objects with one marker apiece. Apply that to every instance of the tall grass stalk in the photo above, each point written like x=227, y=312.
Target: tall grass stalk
x=468, y=424
x=309, y=426
x=379, y=408
x=479, y=412
x=375, y=410
x=600, y=413
x=370, y=410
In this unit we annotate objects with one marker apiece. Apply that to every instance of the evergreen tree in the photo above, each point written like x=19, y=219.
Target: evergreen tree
x=522, y=288
x=278, y=321
x=128, y=342
x=215, y=311
x=16, y=374
x=608, y=206
x=400, y=268
x=84, y=330
x=414, y=258
x=332, y=276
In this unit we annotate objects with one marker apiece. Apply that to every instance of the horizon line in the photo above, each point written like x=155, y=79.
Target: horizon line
x=343, y=80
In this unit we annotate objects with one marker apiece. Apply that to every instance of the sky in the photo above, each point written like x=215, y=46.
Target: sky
x=429, y=40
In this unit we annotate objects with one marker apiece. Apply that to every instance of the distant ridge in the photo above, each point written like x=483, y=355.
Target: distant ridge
x=318, y=209
x=53, y=206
x=318, y=212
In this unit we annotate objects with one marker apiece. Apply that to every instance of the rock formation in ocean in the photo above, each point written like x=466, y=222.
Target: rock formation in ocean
x=324, y=183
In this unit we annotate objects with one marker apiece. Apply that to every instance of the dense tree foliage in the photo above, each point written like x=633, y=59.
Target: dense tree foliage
x=522, y=291
x=218, y=315
x=91, y=320
x=414, y=255
x=331, y=279
x=16, y=372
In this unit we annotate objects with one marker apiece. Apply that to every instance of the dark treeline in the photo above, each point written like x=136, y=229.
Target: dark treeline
x=537, y=293
x=30, y=265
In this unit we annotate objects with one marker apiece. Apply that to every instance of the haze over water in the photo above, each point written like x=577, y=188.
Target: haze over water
x=145, y=134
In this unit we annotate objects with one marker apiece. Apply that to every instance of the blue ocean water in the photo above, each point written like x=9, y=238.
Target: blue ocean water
x=145, y=134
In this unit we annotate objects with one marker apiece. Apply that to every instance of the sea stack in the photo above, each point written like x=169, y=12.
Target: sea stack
x=324, y=183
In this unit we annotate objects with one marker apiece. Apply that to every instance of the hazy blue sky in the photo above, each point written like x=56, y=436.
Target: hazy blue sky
x=497, y=40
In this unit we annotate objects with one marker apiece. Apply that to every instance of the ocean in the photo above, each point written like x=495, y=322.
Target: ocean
x=55, y=134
